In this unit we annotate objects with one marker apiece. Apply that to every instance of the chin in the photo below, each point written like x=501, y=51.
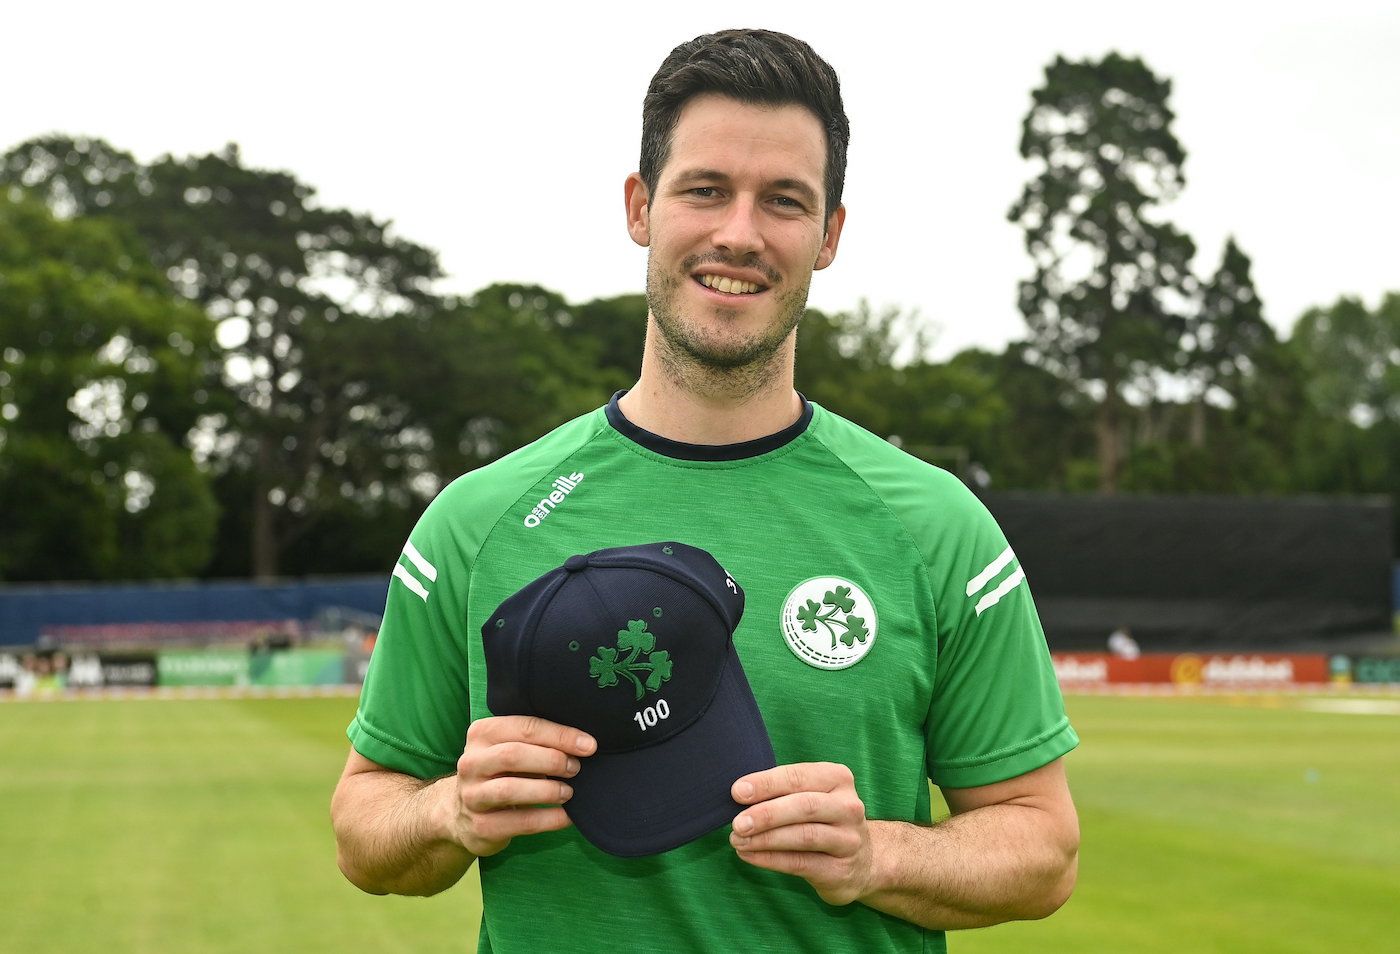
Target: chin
x=726, y=352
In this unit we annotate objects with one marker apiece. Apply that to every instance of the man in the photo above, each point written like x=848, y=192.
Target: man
x=889, y=636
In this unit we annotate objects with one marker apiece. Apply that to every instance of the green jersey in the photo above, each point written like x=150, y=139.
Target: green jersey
x=888, y=626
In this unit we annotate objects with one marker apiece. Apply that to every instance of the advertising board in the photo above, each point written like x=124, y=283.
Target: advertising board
x=1187, y=670
x=210, y=667
x=1366, y=670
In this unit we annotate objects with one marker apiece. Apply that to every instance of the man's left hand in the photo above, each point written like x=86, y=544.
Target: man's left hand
x=806, y=819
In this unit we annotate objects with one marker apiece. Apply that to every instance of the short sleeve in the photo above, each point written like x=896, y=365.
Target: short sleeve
x=413, y=713
x=997, y=711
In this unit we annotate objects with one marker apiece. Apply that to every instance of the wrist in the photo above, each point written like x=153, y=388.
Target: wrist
x=442, y=810
x=880, y=876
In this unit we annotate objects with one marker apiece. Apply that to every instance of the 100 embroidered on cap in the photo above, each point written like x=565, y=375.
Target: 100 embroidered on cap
x=634, y=645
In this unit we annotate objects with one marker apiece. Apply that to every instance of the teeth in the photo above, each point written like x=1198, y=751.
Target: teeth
x=728, y=285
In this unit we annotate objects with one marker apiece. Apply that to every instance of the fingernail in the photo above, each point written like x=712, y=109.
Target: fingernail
x=584, y=743
x=743, y=824
x=571, y=766
x=744, y=790
x=565, y=792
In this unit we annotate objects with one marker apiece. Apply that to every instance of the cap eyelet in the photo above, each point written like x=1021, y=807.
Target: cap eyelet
x=573, y=645
x=656, y=611
x=667, y=550
x=500, y=622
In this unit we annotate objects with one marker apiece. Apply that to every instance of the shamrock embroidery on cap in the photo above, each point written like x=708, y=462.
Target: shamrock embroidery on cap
x=635, y=640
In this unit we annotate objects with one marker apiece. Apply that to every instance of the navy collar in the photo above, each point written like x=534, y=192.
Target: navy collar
x=679, y=451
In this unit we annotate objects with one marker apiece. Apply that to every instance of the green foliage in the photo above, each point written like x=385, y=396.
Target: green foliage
x=1349, y=361
x=77, y=176
x=1226, y=341
x=1351, y=357
x=305, y=297
x=103, y=374
x=58, y=522
x=1225, y=338
x=847, y=361
x=350, y=393
x=1106, y=301
x=485, y=375
x=608, y=333
x=994, y=419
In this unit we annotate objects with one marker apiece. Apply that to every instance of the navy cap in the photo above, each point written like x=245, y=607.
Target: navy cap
x=634, y=645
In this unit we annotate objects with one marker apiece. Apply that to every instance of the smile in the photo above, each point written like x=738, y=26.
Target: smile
x=728, y=286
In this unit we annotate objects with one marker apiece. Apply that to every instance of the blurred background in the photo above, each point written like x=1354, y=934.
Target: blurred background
x=272, y=275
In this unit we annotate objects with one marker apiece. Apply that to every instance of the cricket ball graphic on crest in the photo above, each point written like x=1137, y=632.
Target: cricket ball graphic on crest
x=829, y=622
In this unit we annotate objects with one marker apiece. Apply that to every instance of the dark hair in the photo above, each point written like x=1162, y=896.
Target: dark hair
x=753, y=66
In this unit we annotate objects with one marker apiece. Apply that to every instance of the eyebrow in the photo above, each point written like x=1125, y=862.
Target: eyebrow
x=713, y=175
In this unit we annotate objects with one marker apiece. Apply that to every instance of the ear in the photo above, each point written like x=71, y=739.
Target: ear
x=638, y=209
x=827, y=253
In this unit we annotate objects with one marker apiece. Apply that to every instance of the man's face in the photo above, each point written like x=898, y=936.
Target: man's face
x=735, y=229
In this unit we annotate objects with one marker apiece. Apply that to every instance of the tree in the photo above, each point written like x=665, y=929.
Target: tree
x=847, y=361
x=1106, y=300
x=1224, y=338
x=307, y=301
x=1350, y=357
x=1032, y=433
x=1353, y=359
x=103, y=375
x=950, y=414
x=461, y=383
x=611, y=333
x=77, y=176
x=493, y=372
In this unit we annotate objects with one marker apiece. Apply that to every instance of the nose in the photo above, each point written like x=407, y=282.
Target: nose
x=738, y=228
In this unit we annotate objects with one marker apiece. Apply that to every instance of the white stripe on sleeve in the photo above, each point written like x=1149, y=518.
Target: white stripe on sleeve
x=1006, y=586
x=409, y=580
x=993, y=568
x=423, y=566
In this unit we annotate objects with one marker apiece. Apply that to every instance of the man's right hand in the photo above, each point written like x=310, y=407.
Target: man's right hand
x=508, y=780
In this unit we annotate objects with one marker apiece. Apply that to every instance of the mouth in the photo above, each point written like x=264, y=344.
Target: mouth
x=729, y=288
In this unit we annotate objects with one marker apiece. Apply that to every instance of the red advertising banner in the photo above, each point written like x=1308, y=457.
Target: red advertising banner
x=1238, y=670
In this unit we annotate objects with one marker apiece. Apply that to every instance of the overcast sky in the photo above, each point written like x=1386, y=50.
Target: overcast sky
x=500, y=134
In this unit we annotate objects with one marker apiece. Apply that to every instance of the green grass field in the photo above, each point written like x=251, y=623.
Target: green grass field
x=1210, y=824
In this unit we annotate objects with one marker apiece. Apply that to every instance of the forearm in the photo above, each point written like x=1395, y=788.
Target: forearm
x=392, y=834
x=993, y=864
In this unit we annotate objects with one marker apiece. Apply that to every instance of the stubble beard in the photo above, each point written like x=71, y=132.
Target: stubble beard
x=719, y=364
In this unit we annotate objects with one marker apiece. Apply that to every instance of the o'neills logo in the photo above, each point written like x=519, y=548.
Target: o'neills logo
x=563, y=486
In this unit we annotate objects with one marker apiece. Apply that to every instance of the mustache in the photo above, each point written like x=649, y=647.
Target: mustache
x=748, y=262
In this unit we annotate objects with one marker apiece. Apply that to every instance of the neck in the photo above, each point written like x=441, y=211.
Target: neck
x=693, y=404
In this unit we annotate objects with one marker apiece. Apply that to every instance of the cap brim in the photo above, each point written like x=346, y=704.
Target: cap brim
x=657, y=798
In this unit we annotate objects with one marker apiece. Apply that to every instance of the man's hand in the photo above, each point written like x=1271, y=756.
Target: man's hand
x=396, y=834
x=502, y=788
x=1010, y=851
x=806, y=819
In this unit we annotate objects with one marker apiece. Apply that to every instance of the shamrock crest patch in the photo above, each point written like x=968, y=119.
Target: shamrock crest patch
x=829, y=622
x=608, y=664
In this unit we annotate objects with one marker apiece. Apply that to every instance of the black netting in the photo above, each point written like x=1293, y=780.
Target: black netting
x=1202, y=570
